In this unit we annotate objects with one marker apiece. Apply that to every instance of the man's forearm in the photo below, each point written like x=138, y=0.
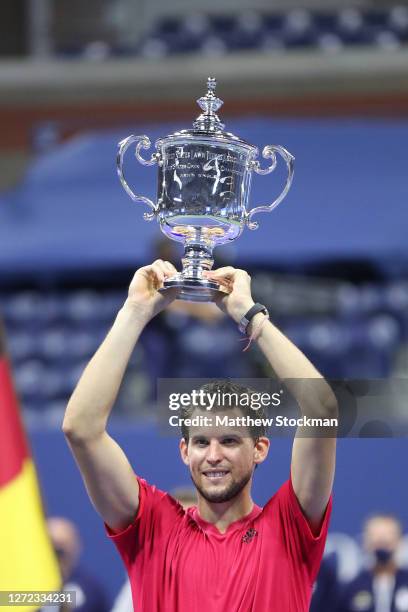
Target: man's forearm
x=303, y=380
x=91, y=402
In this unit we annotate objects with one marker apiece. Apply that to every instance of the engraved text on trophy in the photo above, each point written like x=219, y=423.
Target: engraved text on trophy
x=202, y=185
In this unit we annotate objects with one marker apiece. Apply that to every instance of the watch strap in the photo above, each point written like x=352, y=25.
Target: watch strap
x=247, y=318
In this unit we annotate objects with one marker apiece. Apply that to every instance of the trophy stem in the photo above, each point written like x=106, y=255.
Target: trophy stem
x=197, y=258
x=192, y=285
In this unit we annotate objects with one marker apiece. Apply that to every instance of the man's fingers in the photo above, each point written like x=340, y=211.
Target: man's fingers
x=158, y=271
x=159, y=264
x=224, y=282
x=226, y=271
x=166, y=267
x=170, y=269
x=229, y=277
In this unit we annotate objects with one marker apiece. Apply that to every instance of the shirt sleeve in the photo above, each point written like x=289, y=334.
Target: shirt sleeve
x=303, y=546
x=157, y=514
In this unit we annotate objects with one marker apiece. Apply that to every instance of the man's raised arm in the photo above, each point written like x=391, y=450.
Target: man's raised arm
x=313, y=457
x=108, y=475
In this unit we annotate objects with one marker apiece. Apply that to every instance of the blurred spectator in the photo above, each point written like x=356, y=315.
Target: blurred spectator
x=90, y=594
x=123, y=602
x=382, y=586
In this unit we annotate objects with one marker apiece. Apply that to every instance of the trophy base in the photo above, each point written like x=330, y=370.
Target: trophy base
x=194, y=289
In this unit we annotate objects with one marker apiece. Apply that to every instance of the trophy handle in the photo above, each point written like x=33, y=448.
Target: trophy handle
x=269, y=152
x=143, y=142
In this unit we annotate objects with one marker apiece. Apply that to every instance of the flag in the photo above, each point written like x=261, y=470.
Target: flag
x=27, y=559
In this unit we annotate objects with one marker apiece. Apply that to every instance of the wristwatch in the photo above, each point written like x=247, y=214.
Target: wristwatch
x=247, y=318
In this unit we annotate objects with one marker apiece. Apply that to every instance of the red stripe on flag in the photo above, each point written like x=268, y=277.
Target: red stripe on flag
x=13, y=443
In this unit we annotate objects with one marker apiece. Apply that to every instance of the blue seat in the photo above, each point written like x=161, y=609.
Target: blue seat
x=82, y=307
x=23, y=309
x=53, y=344
x=324, y=340
x=21, y=346
x=299, y=29
x=352, y=28
x=375, y=342
x=29, y=380
x=396, y=303
x=397, y=21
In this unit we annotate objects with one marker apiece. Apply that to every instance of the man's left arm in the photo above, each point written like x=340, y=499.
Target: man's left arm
x=314, y=451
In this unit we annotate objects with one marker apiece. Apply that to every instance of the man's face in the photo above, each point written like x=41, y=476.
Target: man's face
x=382, y=533
x=65, y=540
x=222, y=459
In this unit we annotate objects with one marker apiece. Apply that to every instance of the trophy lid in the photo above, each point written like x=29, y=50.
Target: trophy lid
x=208, y=123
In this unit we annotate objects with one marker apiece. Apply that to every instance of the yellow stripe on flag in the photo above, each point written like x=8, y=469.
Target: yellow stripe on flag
x=27, y=560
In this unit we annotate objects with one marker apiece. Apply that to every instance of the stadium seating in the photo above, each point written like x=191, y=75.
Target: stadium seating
x=329, y=31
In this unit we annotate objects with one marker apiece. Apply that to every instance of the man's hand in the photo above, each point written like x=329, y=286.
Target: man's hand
x=145, y=285
x=237, y=286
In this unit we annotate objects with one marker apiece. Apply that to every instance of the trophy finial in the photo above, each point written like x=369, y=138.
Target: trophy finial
x=211, y=84
x=208, y=120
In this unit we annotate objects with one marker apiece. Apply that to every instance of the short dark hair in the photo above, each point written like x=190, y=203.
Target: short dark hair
x=225, y=388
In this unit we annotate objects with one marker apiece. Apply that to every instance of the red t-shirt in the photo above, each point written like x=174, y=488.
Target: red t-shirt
x=178, y=562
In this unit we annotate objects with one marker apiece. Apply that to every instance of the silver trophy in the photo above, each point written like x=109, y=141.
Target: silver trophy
x=204, y=181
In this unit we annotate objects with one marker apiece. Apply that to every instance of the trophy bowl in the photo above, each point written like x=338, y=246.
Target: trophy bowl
x=204, y=180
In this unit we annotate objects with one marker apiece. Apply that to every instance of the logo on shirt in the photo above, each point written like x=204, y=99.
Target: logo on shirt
x=249, y=536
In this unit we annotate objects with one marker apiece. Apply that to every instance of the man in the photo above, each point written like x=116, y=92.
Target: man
x=90, y=595
x=227, y=554
x=382, y=586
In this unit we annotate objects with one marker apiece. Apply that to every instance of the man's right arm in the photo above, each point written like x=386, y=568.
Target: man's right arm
x=106, y=471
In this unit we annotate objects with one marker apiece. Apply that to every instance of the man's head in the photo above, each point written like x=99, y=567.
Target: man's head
x=66, y=542
x=381, y=537
x=222, y=458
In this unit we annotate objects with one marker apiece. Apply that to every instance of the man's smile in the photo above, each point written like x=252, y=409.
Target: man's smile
x=215, y=475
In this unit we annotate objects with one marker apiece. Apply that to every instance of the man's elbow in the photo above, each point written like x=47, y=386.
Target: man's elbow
x=71, y=431
x=324, y=400
x=320, y=405
x=330, y=405
x=78, y=431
